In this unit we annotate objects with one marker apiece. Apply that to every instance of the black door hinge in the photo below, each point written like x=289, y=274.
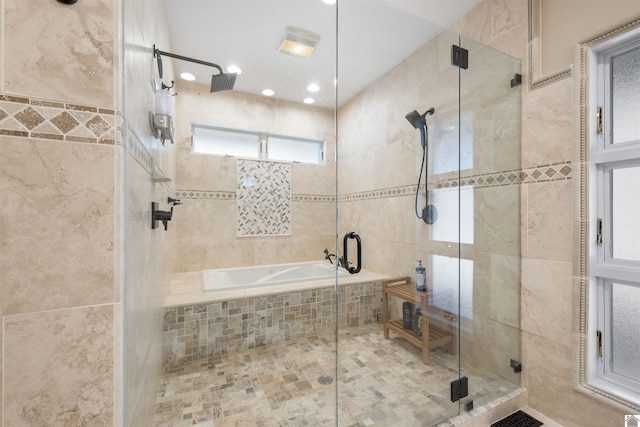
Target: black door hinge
x=459, y=389
x=459, y=57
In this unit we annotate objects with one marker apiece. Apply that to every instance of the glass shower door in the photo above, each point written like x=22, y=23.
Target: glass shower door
x=397, y=347
x=489, y=223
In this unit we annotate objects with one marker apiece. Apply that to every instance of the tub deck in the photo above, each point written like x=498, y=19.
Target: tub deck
x=188, y=288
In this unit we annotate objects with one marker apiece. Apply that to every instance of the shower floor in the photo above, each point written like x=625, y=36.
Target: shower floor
x=380, y=383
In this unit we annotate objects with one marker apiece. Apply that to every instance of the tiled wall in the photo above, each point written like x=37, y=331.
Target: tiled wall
x=148, y=252
x=379, y=167
x=198, y=331
x=206, y=230
x=60, y=245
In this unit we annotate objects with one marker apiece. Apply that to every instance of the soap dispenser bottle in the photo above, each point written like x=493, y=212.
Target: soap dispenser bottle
x=421, y=277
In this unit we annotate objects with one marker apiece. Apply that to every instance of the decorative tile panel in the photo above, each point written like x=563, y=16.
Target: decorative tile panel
x=263, y=198
x=36, y=118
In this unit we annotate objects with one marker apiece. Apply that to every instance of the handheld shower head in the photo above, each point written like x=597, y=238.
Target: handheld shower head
x=417, y=119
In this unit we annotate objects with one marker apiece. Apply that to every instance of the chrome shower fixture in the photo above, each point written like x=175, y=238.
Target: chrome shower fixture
x=219, y=82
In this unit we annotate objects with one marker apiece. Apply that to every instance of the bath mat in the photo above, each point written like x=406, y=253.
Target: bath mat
x=517, y=419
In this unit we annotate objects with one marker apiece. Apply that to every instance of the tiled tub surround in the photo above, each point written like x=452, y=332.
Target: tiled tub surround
x=199, y=325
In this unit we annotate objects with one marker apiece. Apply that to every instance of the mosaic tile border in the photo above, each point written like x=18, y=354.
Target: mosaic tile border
x=543, y=173
x=36, y=118
x=135, y=148
x=205, y=195
x=231, y=195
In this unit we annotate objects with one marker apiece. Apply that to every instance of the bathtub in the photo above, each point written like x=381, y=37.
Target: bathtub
x=269, y=275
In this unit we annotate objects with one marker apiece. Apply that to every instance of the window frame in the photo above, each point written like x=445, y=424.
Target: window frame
x=605, y=156
x=262, y=144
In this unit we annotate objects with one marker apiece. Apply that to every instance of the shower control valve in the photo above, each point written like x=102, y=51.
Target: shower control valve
x=157, y=215
x=173, y=201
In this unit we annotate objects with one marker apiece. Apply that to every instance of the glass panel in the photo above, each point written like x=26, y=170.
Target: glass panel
x=490, y=261
x=225, y=143
x=256, y=355
x=387, y=377
x=294, y=150
x=625, y=218
x=625, y=77
x=625, y=325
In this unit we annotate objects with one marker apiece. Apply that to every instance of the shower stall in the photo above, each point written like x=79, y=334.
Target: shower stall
x=321, y=354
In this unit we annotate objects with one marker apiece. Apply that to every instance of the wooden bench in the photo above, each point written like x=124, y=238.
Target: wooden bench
x=434, y=333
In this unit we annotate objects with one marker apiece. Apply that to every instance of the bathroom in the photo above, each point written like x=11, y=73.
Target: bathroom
x=80, y=167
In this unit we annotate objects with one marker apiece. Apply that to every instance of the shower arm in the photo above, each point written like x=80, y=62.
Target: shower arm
x=157, y=54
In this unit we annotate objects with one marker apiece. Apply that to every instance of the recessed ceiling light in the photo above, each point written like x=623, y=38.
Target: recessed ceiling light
x=187, y=76
x=329, y=2
x=268, y=92
x=313, y=87
x=234, y=69
x=308, y=100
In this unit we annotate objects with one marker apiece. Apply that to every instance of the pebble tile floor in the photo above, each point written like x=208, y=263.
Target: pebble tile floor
x=381, y=383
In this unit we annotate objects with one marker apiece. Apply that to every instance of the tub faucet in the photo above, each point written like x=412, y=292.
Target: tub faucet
x=328, y=256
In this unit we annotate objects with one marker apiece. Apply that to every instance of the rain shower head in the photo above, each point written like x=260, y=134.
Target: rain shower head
x=418, y=120
x=221, y=82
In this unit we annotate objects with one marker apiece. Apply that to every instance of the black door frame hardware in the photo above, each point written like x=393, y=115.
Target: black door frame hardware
x=459, y=389
x=345, y=260
x=459, y=57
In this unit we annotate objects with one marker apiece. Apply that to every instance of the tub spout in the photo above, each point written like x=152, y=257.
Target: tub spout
x=328, y=256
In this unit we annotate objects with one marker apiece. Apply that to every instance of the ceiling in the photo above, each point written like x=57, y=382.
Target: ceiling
x=374, y=36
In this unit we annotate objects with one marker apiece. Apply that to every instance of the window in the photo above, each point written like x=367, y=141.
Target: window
x=255, y=145
x=613, y=355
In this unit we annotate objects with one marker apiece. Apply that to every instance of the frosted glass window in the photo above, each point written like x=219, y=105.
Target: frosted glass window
x=295, y=150
x=256, y=145
x=444, y=285
x=625, y=319
x=454, y=224
x=625, y=93
x=225, y=143
x=626, y=213
x=445, y=150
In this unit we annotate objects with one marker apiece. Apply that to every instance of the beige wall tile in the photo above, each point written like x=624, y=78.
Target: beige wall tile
x=57, y=205
x=60, y=367
x=548, y=369
x=478, y=23
x=508, y=14
x=497, y=220
x=491, y=344
x=549, y=221
x=547, y=299
x=546, y=125
x=60, y=52
x=506, y=289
